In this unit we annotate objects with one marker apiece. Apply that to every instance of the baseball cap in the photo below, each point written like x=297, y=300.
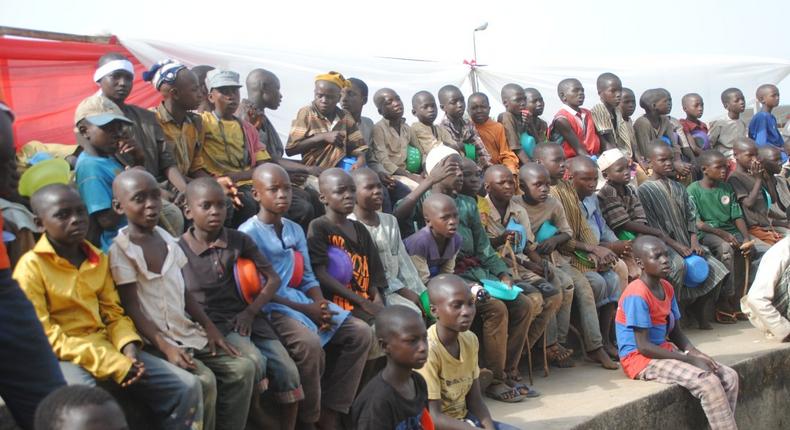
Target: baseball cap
x=222, y=78
x=99, y=111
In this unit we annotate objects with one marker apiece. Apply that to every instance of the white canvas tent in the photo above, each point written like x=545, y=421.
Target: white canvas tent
x=707, y=75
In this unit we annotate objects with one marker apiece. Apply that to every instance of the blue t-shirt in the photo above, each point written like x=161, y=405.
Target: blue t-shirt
x=280, y=253
x=94, y=176
x=764, y=130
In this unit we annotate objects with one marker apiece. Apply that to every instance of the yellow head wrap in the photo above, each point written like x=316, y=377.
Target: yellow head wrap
x=335, y=78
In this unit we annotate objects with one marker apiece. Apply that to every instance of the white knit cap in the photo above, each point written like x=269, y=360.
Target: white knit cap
x=436, y=155
x=609, y=157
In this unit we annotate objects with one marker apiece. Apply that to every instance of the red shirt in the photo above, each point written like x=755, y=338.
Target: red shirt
x=583, y=127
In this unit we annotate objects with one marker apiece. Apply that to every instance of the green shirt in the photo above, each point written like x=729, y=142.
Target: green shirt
x=717, y=206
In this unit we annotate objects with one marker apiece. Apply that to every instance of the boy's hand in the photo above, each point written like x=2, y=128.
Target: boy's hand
x=333, y=137
x=386, y=179
x=230, y=190
x=315, y=312
x=605, y=256
x=547, y=246
x=697, y=248
x=373, y=308
x=756, y=169
x=729, y=238
x=621, y=247
x=442, y=172
x=703, y=361
x=242, y=322
x=216, y=339
x=683, y=168
x=135, y=373
x=178, y=356
x=506, y=279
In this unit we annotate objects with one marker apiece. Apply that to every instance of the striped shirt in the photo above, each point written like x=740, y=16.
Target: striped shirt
x=310, y=122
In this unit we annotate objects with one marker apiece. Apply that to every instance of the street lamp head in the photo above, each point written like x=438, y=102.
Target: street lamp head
x=482, y=27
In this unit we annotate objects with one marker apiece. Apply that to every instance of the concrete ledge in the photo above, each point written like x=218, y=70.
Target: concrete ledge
x=762, y=403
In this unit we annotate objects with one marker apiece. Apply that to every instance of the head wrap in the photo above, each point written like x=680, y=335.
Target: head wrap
x=113, y=66
x=335, y=78
x=436, y=155
x=163, y=72
x=609, y=157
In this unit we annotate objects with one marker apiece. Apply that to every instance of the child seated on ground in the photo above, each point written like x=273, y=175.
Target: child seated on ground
x=669, y=208
x=434, y=247
x=766, y=304
x=607, y=118
x=647, y=315
x=466, y=140
x=507, y=225
x=423, y=107
x=306, y=322
x=397, y=397
x=403, y=285
x=212, y=252
x=115, y=77
x=764, y=217
x=546, y=212
x=696, y=131
x=655, y=124
x=181, y=127
x=79, y=407
x=391, y=140
x=763, y=128
x=68, y=281
x=514, y=120
x=322, y=133
x=573, y=125
x=146, y=264
x=451, y=371
x=492, y=133
x=723, y=229
x=504, y=323
x=363, y=294
x=724, y=131
x=100, y=125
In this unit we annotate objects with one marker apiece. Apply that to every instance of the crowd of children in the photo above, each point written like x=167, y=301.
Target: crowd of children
x=394, y=275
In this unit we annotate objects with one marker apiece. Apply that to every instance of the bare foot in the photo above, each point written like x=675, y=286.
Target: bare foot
x=611, y=350
x=600, y=356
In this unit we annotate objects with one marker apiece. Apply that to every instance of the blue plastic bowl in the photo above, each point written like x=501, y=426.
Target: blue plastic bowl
x=499, y=290
x=546, y=231
x=697, y=270
x=346, y=163
x=527, y=143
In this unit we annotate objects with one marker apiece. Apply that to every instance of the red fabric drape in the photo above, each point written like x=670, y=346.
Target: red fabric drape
x=45, y=80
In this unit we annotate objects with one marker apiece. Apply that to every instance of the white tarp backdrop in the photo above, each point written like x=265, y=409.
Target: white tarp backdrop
x=707, y=75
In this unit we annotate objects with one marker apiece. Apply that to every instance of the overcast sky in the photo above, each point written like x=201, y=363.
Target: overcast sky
x=432, y=29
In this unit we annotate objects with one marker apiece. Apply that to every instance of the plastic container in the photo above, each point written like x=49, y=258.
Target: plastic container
x=346, y=163
x=625, y=235
x=701, y=138
x=546, y=231
x=697, y=270
x=470, y=151
x=527, y=143
x=248, y=281
x=501, y=291
x=43, y=173
x=413, y=159
x=339, y=266
x=298, y=272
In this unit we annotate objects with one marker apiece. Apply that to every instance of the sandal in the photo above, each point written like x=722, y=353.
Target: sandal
x=740, y=316
x=524, y=390
x=504, y=393
x=560, y=356
x=726, y=317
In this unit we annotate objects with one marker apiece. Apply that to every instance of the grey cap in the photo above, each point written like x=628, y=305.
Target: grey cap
x=222, y=78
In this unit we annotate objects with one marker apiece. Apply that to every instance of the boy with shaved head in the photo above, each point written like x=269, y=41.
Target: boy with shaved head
x=693, y=127
x=146, y=265
x=305, y=321
x=514, y=119
x=391, y=140
x=423, y=107
x=573, y=125
x=606, y=116
x=492, y=133
x=434, y=247
x=726, y=129
x=322, y=133
x=654, y=348
x=263, y=92
x=763, y=127
x=466, y=140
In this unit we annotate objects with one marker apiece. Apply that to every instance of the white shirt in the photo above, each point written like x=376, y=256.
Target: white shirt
x=161, y=295
x=758, y=303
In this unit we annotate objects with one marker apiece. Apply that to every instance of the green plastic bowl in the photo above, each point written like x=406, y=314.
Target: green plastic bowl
x=499, y=290
x=43, y=173
x=413, y=159
x=470, y=151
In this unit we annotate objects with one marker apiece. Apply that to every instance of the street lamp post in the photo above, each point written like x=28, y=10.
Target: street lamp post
x=474, y=52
